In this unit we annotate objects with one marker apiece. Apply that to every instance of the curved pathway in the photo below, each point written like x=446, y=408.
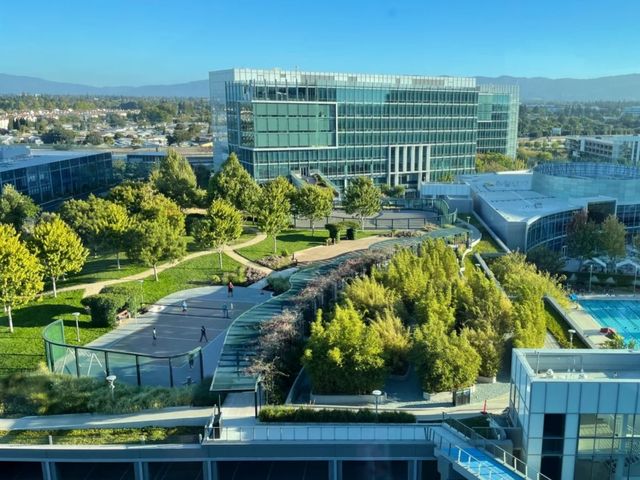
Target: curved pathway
x=94, y=288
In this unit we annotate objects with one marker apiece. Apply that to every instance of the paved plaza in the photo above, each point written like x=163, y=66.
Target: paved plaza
x=178, y=331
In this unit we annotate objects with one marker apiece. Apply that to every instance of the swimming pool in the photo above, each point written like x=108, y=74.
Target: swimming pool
x=621, y=315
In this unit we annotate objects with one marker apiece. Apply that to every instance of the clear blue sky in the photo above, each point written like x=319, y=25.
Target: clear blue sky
x=136, y=42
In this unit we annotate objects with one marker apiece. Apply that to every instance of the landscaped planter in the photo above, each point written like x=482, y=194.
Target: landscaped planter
x=482, y=379
x=346, y=399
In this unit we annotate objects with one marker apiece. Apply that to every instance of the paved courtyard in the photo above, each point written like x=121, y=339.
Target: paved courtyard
x=178, y=331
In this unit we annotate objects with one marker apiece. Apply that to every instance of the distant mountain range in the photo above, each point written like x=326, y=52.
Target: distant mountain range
x=538, y=89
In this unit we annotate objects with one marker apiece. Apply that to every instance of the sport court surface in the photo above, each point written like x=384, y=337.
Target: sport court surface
x=621, y=315
x=179, y=332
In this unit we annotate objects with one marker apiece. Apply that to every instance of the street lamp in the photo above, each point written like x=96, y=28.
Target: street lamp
x=377, y=394
x=590, y=275
x=571, y=333
x=76, y=316
x=111, y=380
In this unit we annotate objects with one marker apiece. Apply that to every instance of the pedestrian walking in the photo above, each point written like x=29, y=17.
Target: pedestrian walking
x=155, y=336
x=184, y=306
x=230, y=289
x=203, y=334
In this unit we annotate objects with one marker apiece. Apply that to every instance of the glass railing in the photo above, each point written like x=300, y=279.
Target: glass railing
x=131, y=368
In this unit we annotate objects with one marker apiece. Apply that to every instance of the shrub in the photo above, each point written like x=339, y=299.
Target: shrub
x=216, y=280
x=191, y=220
x=252, y=275
x=275, y=262
x=335, y=229
x=278, y=284
x=307, y=415
x=285, y=253
x=132, y=293
x=104, y=307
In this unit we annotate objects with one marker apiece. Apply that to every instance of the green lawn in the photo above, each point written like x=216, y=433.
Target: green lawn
x=289, y=240
x=193, y=273
x=487, y=244
x=103, y=436
x=102, y=267
x=23, y=349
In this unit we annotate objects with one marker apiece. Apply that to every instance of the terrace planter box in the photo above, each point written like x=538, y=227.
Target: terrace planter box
x=482, y=379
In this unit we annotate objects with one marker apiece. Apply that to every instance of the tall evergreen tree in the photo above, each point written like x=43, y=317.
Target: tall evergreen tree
x=235, y=185
x=175, y=179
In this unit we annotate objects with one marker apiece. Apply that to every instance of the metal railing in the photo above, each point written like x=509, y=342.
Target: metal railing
x=498, y=453
x=94, y=440
x=318, y=433
x=467, y=460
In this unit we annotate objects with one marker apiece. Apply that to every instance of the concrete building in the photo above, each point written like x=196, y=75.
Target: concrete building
x=533, y=208
x=50, y=176
x=399, y=130
x=624, y=149
x=578, y=411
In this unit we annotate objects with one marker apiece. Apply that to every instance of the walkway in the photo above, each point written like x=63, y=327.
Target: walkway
x=94, y=288
x=166, y=417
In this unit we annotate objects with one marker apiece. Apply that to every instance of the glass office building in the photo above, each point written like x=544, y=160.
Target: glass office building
x=52, y=176
x=498, y=119
x=398, y=130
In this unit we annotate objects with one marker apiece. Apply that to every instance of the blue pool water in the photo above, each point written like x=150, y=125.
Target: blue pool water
x=621, y=315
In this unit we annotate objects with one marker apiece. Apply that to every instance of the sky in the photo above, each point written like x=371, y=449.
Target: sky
x=142, y=42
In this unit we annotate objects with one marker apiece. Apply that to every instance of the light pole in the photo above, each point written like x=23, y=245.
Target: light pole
x=590, y=275
x=76, y=316
x=571, y=333
x=141, y=292
x=377, y=394
x=111, y=380
x=635, y=279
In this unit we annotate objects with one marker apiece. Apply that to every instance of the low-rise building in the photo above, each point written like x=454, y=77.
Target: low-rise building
x=50, y=176
x=623, y=149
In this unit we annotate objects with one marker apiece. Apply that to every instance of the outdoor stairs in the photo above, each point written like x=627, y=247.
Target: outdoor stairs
x=467, y=460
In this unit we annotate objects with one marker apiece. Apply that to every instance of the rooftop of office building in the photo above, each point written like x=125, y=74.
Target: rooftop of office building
x=524, y=196
x=23, y=157
x=580, y=365
x=277, y=75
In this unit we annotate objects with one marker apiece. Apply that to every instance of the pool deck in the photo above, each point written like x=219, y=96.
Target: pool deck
x=582, y=320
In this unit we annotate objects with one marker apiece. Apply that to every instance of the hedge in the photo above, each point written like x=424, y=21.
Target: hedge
x=104, y=307
x=306, y=415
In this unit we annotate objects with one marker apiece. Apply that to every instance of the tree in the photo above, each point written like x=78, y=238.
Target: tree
x=445, y=362
x=497, y=162
x=362, y=198
x=617, y=342
x=582, y=235
x=221, y=226
x=58, y=247
x=16, y=208
x=370, y=297
x=58, y=135
x=117, y=227
x=612, y=237
x=396, y=343
x=545, y=259
x=234, y=184
x=274, y=208
x=20, y=272
x=344, y=356
x=133, y=195
x=174, y=178
x=314, y=203
x=155, y=240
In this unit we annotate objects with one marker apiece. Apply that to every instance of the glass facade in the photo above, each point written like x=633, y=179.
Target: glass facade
x=549, y=231
x=395, y=129
x=49, y=180
x=498, y=119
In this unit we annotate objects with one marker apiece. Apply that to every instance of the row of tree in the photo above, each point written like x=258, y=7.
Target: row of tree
x=419, y=310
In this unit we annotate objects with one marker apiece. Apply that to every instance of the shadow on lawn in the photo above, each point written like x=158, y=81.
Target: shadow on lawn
x=41, y=315
x=301, y=237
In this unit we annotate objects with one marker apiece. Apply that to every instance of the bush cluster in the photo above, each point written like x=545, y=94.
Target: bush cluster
x=307, y=415
x=105, y=306
x=278, y=284
x=275, y=262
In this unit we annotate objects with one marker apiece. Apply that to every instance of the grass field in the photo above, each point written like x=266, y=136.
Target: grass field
x=103, y=436
x=23, y=349
x=193, y=273
x=487, y=244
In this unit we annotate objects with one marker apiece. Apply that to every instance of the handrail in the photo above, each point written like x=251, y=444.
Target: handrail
x=440, y=440
x=490, y=446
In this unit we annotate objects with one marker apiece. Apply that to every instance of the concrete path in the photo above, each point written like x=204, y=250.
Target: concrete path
x=323, y=252
x=94, y=288
x=166, y=417
x=246, y=262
